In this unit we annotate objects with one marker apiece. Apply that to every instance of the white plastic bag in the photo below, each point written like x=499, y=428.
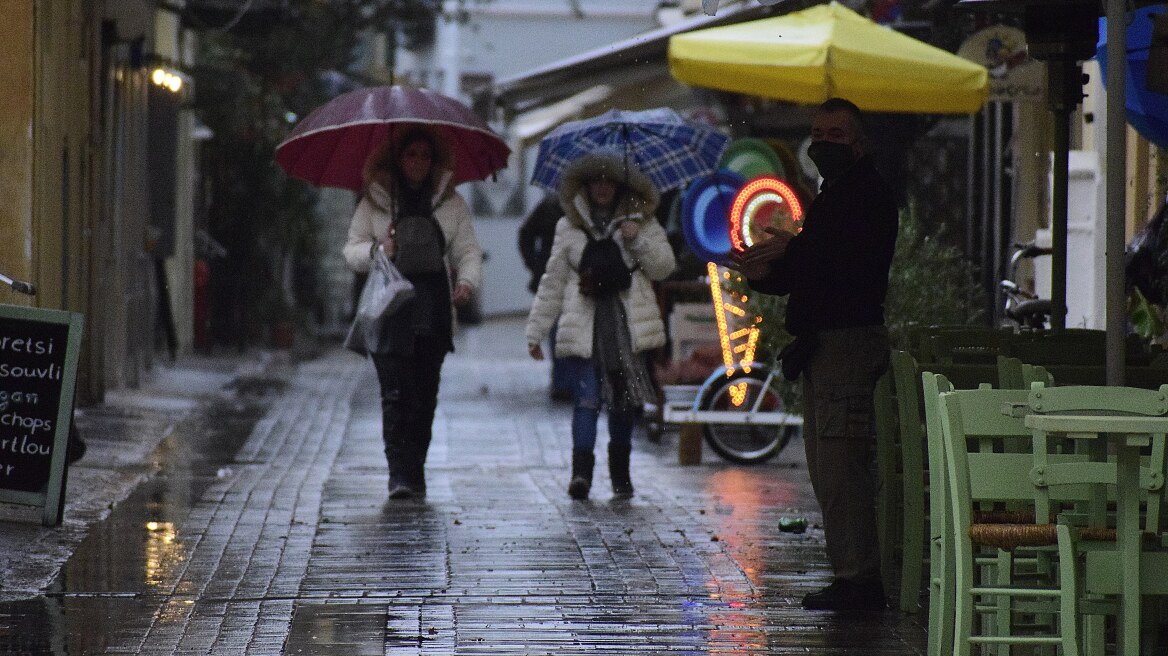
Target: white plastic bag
x=385, y=292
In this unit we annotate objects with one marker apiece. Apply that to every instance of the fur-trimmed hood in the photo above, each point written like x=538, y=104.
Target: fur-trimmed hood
x=640, y=195
x=377, y=175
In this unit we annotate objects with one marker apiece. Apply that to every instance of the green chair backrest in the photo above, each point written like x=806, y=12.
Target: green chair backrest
x=989, y=456
x=1098, y=399
x=969, y=346
x=906, y=375
x=916, y=337
x=973, y=422
x=1074, y=346
x=934, y=386
x=1147, y=377
x=1104, y=399
x=1036, y=373
x=941, y=575
x=1016, y=374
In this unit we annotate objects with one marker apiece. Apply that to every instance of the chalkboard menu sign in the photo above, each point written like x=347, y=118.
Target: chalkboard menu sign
x=38, y=366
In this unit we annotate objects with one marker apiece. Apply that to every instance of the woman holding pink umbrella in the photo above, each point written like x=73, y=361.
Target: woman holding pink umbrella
x=410, y=210
x=404, y=149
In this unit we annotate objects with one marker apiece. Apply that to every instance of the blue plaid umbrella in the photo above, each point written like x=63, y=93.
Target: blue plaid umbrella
x=668, y=149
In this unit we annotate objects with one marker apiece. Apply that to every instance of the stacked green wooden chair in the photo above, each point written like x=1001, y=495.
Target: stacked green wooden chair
x=902, y=447
x=1077, y=357
x=1016, y=374
x=990, y=507
x=1072, y=571
x=941, y=574
x=968, y=345
x=1093, y=531
x=1000, y=567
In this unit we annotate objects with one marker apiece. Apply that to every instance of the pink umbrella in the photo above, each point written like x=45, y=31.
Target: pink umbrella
x=329, y=147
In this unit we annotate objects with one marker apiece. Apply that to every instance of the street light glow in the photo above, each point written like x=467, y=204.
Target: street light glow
x=165, y=78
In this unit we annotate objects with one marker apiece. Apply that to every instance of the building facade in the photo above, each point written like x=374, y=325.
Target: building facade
x=95, y=154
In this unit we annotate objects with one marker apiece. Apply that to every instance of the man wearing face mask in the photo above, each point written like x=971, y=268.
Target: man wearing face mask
x=836, y=273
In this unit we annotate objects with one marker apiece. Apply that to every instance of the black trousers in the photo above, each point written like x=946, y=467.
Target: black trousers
x=409, y=397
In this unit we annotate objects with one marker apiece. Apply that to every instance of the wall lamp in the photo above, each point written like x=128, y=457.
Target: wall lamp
x=168, y=78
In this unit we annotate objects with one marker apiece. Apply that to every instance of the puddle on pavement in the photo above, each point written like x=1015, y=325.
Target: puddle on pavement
x=114, y=579
x=339, y=630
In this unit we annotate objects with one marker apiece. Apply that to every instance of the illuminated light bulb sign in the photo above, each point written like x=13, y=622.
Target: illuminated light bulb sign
x=738, y=393
x=740, y=343
x=722, y=213
x=763, y=202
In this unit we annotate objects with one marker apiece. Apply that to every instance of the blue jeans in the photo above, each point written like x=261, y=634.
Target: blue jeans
x=586, y=383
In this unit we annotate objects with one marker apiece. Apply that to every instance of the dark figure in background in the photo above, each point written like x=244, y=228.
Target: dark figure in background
x=1146, y=260
x=536, y=235
x=411, y=211
x=836, y=273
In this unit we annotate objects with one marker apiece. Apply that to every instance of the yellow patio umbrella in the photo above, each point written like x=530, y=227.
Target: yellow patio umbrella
x=829, y=50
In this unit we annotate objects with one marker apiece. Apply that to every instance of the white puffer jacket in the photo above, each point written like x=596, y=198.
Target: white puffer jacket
x=370, y=224
x=559, y=294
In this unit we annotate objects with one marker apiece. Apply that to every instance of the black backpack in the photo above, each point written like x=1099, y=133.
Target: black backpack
x=602, y=268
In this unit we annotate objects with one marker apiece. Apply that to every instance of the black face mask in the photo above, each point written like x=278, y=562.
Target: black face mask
x=831, y=158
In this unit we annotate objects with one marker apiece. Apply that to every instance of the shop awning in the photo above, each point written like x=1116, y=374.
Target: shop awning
x=625, y=64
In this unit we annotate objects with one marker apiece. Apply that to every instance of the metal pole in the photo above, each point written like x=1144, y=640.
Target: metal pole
x=1116, y=191
x=971, y=189
x=994, y=213
x=1058, y=221
x=985, y=245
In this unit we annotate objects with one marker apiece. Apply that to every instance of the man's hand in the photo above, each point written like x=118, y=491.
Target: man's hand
x=535, y=351
x=461, y=294
x=755, y=262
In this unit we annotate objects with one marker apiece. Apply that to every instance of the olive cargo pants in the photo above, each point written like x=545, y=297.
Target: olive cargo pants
x=838, y=435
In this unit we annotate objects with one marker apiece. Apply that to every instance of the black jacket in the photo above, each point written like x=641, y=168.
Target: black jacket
x=536, y=235
x=836, y=268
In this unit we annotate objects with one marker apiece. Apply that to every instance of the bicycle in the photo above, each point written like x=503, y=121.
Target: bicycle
x=1021, y=307
x=19, y=286
x=740, y=404
x=744, y=417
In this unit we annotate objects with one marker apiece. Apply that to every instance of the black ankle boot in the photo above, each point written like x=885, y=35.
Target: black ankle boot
x=846, y=594
x=582, y=464
x=618, y=470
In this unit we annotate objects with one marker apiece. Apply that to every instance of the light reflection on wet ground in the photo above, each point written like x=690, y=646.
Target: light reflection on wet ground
x=113, y=578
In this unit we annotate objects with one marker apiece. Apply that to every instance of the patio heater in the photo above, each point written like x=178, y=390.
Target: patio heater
x=1062, y=33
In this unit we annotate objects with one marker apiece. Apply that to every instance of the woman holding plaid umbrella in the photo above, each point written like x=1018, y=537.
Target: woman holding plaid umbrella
x=603, y=335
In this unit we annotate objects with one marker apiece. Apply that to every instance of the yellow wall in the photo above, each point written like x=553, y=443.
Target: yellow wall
x=61, y=153
x=16, y=145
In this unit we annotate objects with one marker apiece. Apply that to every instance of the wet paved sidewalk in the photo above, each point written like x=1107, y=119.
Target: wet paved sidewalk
x=290, y=546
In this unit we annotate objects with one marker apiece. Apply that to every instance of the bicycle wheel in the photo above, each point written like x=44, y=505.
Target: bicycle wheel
x=743, y=443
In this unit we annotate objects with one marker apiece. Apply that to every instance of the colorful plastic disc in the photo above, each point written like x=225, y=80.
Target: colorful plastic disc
x=761, y=203
x=751, y=158
x=705, y=214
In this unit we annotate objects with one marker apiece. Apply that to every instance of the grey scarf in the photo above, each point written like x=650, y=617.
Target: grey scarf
x=625, y=381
